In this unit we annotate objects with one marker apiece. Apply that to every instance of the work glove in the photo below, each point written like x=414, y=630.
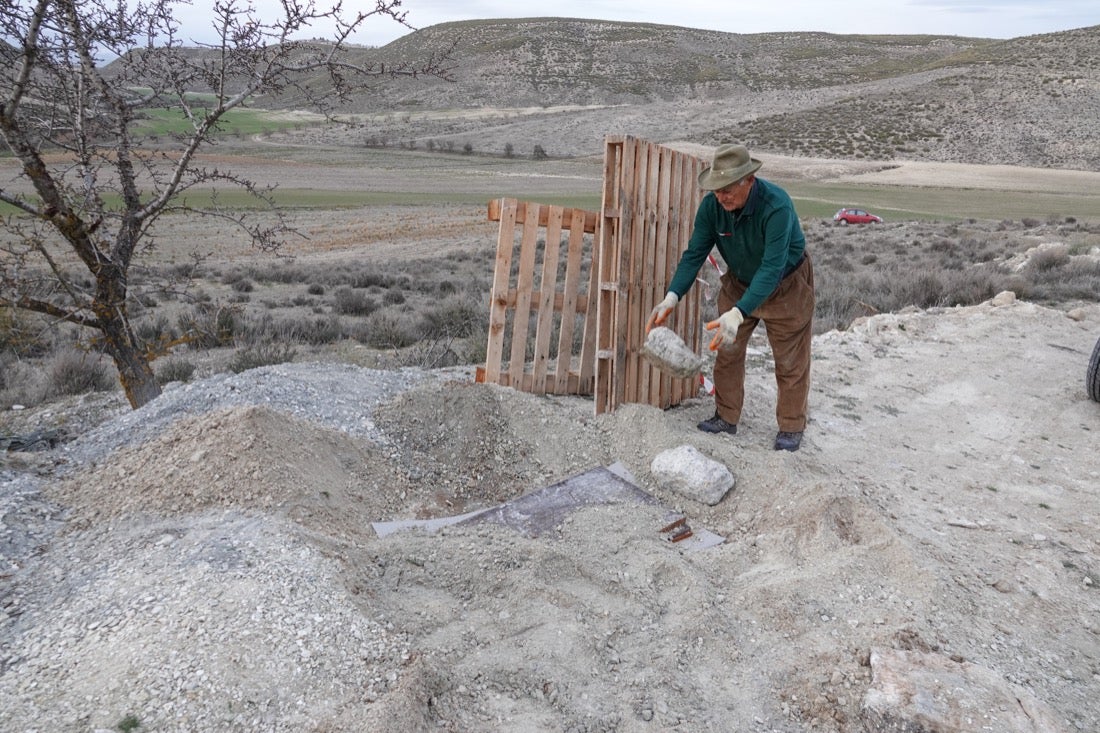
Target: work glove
x=726, y=326
x=660, y=313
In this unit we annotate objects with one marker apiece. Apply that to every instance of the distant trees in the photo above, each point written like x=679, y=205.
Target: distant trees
x=91, y=185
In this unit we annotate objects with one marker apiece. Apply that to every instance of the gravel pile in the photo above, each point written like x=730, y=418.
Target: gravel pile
x=246, y=614
x=223, y=622
x=339, y=396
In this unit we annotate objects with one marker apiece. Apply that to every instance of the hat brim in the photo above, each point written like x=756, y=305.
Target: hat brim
x=711, y=181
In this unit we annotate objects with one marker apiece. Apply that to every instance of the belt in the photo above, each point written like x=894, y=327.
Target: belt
x=793, y=267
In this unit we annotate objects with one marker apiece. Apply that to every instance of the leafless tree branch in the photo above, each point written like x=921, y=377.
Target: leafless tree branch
x=94, y=183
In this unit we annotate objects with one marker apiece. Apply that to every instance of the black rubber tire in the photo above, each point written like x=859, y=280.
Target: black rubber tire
x=1092, y=376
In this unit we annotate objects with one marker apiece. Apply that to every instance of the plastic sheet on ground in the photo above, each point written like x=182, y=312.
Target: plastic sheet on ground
x=542, y=510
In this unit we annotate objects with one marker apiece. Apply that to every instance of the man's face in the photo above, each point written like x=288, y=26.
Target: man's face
x=734, y=196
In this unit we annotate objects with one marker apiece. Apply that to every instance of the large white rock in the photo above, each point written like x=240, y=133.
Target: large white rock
x=690, y=473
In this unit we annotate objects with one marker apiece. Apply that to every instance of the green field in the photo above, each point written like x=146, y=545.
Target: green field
x=244, y=120
x=307, y=199
x=331, y=177
x=155, y=122
x=891, y=203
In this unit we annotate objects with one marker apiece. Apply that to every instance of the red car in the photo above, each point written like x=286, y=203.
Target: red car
x=856, y=216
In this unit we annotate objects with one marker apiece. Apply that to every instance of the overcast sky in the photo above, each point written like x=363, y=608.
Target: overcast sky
x=977, y=18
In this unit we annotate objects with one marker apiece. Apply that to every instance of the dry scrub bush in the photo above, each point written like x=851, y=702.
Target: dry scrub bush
x=325, y=329
x=23, y=384
x=1055, y=279
x=457, y=316
x=72, y=371
x=389, y=330
x=173, y=369
x=156, y=330
x=296, y=329
x=210, y=325
x=1046, y=260
x=258, y=355
x=843, y=298
x=24, y=335
x=352, y=302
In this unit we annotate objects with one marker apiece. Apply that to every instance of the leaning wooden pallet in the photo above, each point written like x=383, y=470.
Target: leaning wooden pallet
x=648, y=207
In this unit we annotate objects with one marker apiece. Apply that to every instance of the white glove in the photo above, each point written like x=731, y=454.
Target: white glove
x=726, y=325
x=660, y=313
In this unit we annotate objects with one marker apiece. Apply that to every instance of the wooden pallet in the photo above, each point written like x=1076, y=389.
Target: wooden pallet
x=539, y=301
x=565, y=333
x=649, y=201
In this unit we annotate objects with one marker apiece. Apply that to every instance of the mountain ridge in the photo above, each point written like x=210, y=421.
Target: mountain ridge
x=1026, y=101
x=562, y=85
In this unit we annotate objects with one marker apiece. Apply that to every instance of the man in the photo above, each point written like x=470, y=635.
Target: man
x=768, y=278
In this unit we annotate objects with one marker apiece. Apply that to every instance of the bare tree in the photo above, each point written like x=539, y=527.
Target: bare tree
x=91, y=187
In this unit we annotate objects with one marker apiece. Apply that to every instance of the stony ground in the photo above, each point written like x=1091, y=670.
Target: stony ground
x=217, y=565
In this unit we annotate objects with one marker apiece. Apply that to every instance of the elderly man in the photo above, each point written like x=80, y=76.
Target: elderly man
x=768, y=278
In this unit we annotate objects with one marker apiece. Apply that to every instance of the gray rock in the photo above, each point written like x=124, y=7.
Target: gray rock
x=688, y=472
x=668, y=352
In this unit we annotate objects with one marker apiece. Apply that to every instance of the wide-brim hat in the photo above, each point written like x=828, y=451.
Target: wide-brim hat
x=731, y=163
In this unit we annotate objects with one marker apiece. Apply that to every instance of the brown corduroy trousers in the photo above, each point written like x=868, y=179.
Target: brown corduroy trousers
x=788, y=318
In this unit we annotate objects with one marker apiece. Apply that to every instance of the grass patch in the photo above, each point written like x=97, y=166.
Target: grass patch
x=156, y=122
x=893, y=203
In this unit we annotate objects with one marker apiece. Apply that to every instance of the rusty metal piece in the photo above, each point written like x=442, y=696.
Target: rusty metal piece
x=681, y=534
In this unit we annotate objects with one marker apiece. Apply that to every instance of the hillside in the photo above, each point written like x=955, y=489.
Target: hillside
x=557, y=61
x=564, y=84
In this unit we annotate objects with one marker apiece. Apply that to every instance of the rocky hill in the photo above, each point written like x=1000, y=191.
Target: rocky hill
x=556, y=61
x=564, y=84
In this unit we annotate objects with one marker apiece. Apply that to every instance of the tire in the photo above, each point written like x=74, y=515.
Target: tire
x=843, y=222
x=1092, y=376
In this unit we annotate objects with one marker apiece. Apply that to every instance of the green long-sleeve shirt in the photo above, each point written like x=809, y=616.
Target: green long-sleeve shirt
x=759, y=243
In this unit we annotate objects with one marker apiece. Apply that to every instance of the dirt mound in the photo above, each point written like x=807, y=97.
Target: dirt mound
x=244, y=458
